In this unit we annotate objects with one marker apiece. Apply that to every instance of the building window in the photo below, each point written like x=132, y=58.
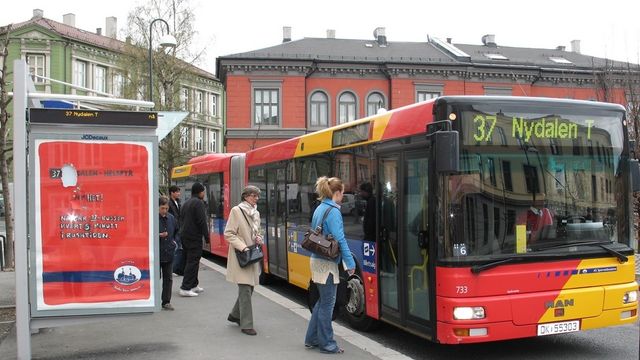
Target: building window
x=200, y=102
x=266, y=104
x=375, y=101
x=100, y=79
x=213, y=108
x=80, y=73
x=213, y=141
x=319, y=112
x=346, y=107
x=36, y=64
x=199, y=139
x=184, y=138
x=184, y=99
x=118, y=84
x=426, y=92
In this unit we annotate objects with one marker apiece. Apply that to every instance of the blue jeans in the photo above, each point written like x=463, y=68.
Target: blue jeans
x=320, y=330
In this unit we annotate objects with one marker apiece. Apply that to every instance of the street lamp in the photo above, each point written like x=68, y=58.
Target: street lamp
x=165, y=41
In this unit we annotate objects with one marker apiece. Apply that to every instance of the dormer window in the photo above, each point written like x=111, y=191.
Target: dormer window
x=496, y=56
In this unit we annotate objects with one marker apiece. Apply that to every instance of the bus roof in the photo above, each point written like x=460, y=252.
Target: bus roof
x=209, y=163
x=400, y=122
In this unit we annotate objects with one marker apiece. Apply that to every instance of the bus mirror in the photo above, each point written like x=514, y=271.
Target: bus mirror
x=635, y=175
x=447, y=151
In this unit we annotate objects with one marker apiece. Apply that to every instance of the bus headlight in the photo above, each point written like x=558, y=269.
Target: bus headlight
x=630, y=297
x=468, y=313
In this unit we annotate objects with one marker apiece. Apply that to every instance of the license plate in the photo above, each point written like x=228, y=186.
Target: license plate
x=558, y=328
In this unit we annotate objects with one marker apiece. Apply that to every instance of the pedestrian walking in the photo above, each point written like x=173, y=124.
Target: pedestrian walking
x=192, y=230
x=241, y=232
x=324, y=272
x=168, y=230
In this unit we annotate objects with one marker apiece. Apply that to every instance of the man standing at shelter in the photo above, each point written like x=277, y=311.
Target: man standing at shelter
x=174, y=209
x=193, y=228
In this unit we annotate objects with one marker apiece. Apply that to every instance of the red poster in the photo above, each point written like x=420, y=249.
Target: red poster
x=93, y=245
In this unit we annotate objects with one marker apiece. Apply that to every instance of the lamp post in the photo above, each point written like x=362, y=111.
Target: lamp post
x=165, y=41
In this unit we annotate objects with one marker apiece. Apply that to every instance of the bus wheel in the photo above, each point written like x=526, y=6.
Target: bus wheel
x=356, y=307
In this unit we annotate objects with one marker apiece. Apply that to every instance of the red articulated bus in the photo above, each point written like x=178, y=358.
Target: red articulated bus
x=471, y=218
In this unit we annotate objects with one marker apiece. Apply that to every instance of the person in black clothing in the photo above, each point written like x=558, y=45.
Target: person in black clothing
x=168, y=230
x=174, y=209
x=192, y=229
x=369, y=221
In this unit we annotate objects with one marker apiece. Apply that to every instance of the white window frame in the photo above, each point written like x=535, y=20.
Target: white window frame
x=117, y=85
x=37, y=65
x=80, y=73
x=213, y=141
x=347, y=110
x=213, y=108
x=100, y=78
x=199, y=102
x=199, y=139
x=184, y=138
x=184, y=99
x=318, y=110
x=374, y=106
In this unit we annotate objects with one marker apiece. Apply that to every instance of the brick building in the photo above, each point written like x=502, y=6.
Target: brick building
x=308, y=84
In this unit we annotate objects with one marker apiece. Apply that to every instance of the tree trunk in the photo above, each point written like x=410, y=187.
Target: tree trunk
x=9, y=249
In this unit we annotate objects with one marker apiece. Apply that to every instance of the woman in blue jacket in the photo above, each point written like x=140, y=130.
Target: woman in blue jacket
x=324, y=272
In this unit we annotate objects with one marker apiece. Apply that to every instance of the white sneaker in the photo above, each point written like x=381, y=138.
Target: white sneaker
x=197, y=289
x=188, y=293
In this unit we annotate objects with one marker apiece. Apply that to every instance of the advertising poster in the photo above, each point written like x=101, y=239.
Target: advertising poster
x=93, y=232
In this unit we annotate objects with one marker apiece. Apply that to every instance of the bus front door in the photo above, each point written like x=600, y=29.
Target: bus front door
x=403, y=242
x=277, y=237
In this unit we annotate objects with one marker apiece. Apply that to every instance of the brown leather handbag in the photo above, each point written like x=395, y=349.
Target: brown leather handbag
x=324, y=246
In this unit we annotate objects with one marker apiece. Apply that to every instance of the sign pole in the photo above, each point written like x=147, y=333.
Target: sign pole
x=23, y=331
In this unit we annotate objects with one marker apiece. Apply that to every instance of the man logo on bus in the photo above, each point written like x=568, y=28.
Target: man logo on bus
x=558, y=304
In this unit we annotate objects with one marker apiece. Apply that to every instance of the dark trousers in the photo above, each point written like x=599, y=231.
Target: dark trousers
x=190, y=278
x=167, y=281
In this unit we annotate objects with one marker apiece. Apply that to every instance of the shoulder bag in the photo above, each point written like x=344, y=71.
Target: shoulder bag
x=254, y=254
x=325, y=246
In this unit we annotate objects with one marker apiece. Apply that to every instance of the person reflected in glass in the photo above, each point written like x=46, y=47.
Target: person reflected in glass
x=241, y=232
x=324, y=272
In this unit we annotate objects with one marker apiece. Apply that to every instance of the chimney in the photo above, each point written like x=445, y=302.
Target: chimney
x=111, y=27
x=380, y=34
x=99, y=31
x=575, y=46
x=38, y=13
x=449, y=40
x=561, y=48
x=69, y=19
x=489, y=40
x=331, y=34
x=286, y=34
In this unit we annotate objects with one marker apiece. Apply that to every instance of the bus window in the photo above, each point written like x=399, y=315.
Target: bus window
x=216, y=195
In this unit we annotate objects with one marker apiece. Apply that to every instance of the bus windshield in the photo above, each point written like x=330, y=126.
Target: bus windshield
x=535, y=179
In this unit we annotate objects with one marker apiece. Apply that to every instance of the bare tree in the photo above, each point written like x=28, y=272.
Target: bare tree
x=6, y=150
x=169, y=69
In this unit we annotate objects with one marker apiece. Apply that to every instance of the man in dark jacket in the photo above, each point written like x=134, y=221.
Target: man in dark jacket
x=193, y=228
x=168, y=231
x=174, y=209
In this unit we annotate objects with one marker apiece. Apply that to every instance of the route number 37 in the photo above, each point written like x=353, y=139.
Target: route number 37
x=484, y=126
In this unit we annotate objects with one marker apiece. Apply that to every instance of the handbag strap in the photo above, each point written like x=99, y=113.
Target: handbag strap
x=324, y=217
x=248, y=223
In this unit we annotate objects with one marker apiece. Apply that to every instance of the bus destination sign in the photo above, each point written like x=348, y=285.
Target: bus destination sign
x=93, y=117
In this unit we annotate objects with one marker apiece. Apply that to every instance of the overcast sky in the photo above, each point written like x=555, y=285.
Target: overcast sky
x=611, y=29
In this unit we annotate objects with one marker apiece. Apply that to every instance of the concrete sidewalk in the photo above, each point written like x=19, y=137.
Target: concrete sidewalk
x=197, y=329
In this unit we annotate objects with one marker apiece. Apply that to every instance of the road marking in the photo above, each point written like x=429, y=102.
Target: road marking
x=350, y=336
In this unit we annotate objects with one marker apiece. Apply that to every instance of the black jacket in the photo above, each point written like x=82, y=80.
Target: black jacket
x=168, y=244
x=173, y=209
x=193, y=226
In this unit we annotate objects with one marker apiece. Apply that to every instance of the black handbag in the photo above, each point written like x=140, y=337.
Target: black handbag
x=325, y=246
x=254, y=254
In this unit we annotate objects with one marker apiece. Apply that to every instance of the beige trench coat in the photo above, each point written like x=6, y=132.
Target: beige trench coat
x=239, y=235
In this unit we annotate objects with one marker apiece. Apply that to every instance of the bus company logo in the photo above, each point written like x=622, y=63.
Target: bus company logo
x=558, y=304
x=127, y=275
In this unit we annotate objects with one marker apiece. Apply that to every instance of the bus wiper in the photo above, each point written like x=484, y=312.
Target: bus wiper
x=621, y=257
x=490, y=265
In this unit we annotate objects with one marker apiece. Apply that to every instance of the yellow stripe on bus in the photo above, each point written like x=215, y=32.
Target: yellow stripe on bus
x=181, y=171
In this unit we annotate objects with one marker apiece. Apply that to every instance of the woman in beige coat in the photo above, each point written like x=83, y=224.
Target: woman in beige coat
x=243, y=230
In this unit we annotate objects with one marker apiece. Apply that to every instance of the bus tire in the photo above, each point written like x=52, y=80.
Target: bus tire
x=355, y=308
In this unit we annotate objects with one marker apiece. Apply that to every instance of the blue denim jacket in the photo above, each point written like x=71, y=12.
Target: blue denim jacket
x=333, y=225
